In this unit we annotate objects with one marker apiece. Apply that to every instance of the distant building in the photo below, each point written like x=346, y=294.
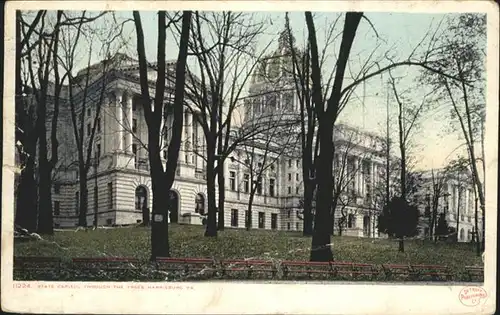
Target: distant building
x=455, y=197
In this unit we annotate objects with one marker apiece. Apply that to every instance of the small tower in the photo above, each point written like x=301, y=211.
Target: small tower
x=286, y=40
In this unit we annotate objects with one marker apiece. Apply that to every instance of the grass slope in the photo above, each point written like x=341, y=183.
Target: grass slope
x=188, y=241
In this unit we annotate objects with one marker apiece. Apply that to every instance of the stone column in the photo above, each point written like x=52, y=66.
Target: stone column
x=106, y=131
x=119, y=121
x=471, y=203
x=226, y=174
x=363, y=178
x=359, y=176
x=451, y=199
x=189, y=128
x=128, y=124
x=355, y=175
x=183, y=147
x=455, y=199
x=375, y=174
x=196, y=142
x=466, y=201
x=372, y=178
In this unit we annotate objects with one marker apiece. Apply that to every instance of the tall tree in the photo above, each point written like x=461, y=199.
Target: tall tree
x=223, y=46
x=40, y=51
x=458, y=170
x=408, y=116
x=162, y=178
x=439, y=181
x=321, y=249
x=87, y=90
x=301, y=73
x=263, y=151
x=461, y=53
x=26, y=133
x=345, y=170
x=42, y=59
x=328, y=112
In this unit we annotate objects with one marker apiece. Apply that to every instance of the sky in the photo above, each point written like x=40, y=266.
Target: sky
x=392, y=33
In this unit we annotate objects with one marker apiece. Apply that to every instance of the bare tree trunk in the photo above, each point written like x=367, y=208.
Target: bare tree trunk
x=249, y=209
x=333, y=208
x=211, y=229
x=160, y=246
x=458, y=210
x=82, y=212
x=45, y=225
x=483, y=241
x=387, y=156
x=435, y=205
x=27, y=194
x=402, y=143
x=321, y=247
x=145, y=216
x=26, y=199
x=162, y=180
x=222, y=196
x=160, y=186
x=308, y=198
x=469, y=138
x=45, y=219
x=479, y=187
x=476, y=224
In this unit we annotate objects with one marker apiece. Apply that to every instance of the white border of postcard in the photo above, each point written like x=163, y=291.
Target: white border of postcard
x=254, y=297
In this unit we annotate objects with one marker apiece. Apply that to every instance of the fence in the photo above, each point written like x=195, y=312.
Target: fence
x=179, y=269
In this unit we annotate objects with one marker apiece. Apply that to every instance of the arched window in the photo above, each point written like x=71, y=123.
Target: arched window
x=462, y=234
x=141, y=200
x=173, y=207
x=366, y=225
x=351, y=221
x=200, y=204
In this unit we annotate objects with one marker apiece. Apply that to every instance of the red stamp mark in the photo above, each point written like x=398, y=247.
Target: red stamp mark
x=472, y=296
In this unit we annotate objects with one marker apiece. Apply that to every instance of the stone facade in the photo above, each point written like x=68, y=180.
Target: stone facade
x=121, y=172
x=456, y=200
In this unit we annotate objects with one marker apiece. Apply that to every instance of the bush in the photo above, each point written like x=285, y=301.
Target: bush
x=399, y=219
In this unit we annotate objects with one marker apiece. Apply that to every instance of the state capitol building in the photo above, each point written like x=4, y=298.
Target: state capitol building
x=120, y=179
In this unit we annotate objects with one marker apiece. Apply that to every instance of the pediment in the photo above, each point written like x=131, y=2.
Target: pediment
x=152, y=73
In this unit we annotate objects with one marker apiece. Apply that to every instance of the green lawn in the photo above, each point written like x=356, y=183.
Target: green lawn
x=188, y=241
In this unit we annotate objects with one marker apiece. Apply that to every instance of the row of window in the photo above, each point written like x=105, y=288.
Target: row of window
x=261, y=219
x=290, y=161
x=246, y=184
x=462, y=217
x=297, y=226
